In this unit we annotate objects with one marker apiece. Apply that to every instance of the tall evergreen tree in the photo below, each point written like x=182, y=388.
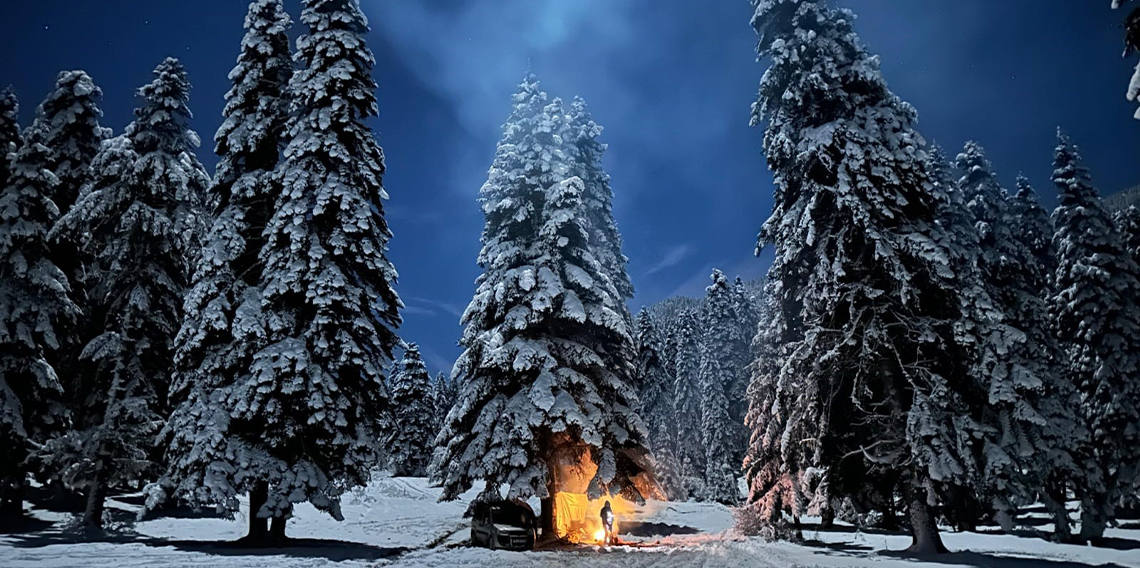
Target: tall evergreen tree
x=687, y=404
x=1063, y=435
x=1035, y=227
x=1019, y=368
x=538, y=382
x=656, y=395
x=69, y=120
x=132, y=221
x=36, y=313
x=443, y=393
x=315, y=405
x=1131, y=45
x=1128, y=222
x=720, y=350
x=220, y=332
x=410, y=445
x=10, y=135
x=1095, y=316
x=605, y=240
x=866, y=299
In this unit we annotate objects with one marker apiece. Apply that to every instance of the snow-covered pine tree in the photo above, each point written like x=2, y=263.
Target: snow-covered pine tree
x=1131, y=45
x=69, y=119
x=410, y=445
x=656, y=394
x=605, y=240
x=861, y=280
x=1097, y=320
x=738, y=357
x=36, y=313
x=133, y=222
x=774, y=476
x=538, y=382
x=1027, y=404
x=443, y=393
x=10, y=135
x=315, y=407
x=721, y=348
x=167, y=158
x=1035, y=227
x=1128, y=222
x=1063, y=435
x=220, y=329
x=687, y=403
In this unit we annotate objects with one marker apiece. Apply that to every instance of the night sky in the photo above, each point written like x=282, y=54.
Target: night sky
x=671, y=80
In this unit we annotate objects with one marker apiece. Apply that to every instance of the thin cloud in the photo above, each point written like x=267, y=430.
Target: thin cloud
x=673, y=257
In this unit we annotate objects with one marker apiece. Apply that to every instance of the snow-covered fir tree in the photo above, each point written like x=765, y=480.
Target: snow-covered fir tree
x=774, y=476
x=220, y=330
x=721, y=348
x=656, y=395
x=605, y=240
x=36, y=314
x=865, y=297
x=1095, y=316
x=410, y=445
x=1034, y=227
x=1131, y=46
x=538, y=379
x=10, y=135
x=443, y=393
x=1128, y=222
x=1055, y=464
x=132, y=221
x=1024, y=389
x=687, y=403
x=310, y=414
x=69, y=120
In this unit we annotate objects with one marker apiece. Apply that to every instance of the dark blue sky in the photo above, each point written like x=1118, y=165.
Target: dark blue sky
x=671, y=80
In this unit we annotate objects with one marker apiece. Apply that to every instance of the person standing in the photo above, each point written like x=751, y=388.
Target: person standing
x=608, y=524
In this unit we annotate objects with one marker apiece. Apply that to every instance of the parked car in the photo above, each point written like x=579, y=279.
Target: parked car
x=509, y=525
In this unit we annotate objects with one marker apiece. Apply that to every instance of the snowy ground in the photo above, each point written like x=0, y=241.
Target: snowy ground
x=397, y=523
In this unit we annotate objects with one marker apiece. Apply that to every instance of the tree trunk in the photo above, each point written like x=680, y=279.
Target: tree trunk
x=277, y=529
x=96, y=495
x=258, y=529
x=924, y=533
x=12, y=498
x=1055, y=497
x=546, y=514
x=546, y=520
x=1094, y=517
x=827, y=516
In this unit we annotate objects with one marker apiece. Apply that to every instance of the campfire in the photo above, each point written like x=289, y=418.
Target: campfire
x=577, y=518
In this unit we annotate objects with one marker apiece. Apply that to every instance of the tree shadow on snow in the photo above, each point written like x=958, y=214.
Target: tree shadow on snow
x=983, y=560
x=24, y=525
x=654, y=529
x=331, y=550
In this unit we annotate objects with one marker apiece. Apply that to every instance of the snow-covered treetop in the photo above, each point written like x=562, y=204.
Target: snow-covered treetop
x=26, y=209
x=605, y=239
x=162, y=121
x=9, y=132
x=253, y=120
x=69, y=118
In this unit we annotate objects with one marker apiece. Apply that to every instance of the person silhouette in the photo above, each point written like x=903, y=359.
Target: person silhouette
x=608, y=523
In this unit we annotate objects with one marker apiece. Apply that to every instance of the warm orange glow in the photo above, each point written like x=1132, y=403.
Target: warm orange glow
x=578, y=519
